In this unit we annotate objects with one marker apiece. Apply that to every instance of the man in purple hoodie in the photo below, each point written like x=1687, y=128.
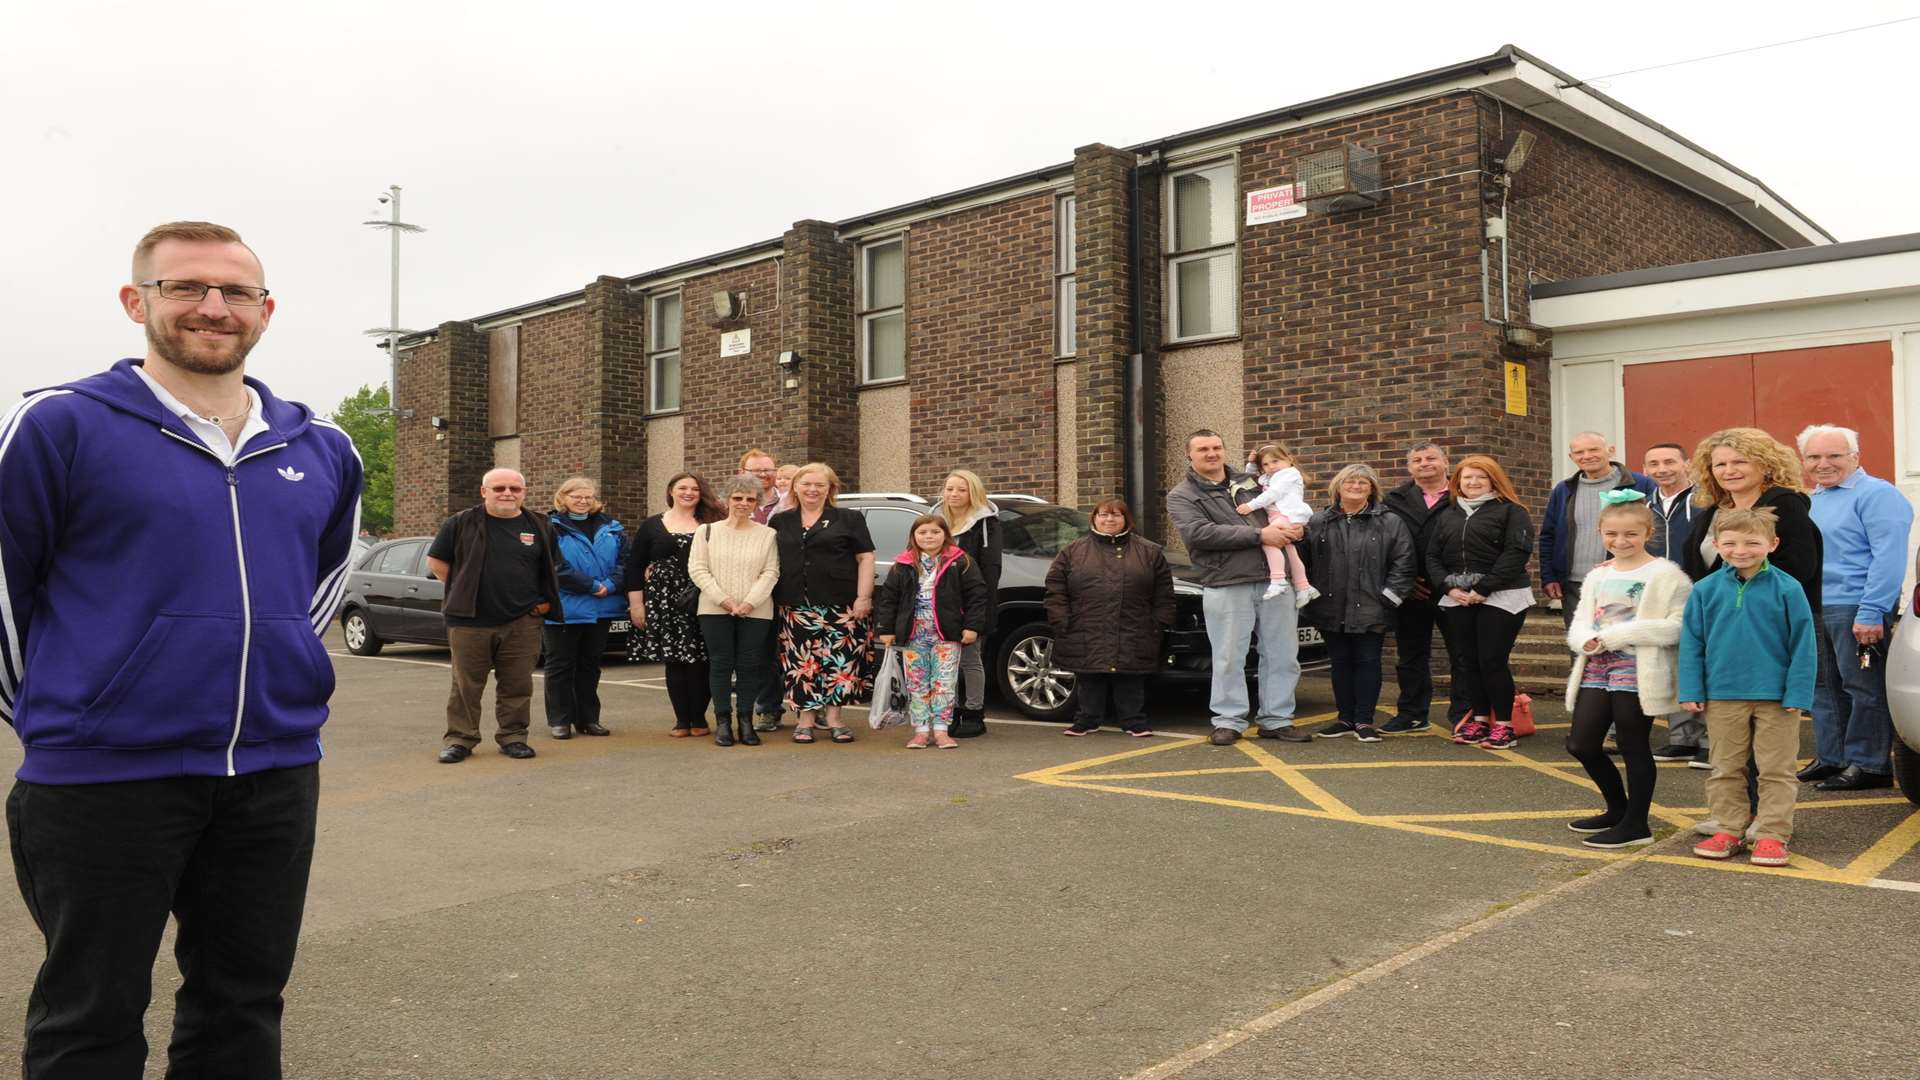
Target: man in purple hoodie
x=173, y=543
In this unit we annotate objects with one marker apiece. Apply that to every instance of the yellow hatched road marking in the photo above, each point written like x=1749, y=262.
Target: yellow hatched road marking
x=1887, y=850
x=1296, y=780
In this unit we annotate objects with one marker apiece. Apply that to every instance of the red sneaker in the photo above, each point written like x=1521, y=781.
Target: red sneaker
x=1721, y=845
x=1769, y=852
x=1499, y=737
x=919, y=740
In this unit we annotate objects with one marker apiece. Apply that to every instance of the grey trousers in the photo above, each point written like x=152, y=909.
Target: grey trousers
x=973, y=676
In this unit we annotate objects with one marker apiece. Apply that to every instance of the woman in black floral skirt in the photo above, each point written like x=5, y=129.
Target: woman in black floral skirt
x=826, y=604
x=663, y=633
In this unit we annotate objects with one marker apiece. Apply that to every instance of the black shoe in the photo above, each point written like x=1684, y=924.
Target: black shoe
x=560, y=731
x=1701, y=760
x=1140, y=731
x=1366, y=733
x=1334, y=730
x=747, y=736
x=1078, y=727
x=1621, y=836
x=1403, y=725
x=1290, y=733
x=454, y=755
x=1855, y=778
x=1675, y=752
x=1598, y=823
x=1223, y=736
x=593, y=729
x=723, y=731
x=968, y=723
x=517, y=750
x=1816, y=771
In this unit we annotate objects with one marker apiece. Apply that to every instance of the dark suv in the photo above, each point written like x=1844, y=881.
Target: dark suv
x=1020, y=652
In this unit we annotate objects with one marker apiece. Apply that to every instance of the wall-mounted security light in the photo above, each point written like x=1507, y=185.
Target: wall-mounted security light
x=726, y=305
x=1515, y=158
x=437, y=423
x=789, y=361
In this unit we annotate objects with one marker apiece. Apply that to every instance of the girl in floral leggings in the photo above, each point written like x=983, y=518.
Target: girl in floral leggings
x=934, y=602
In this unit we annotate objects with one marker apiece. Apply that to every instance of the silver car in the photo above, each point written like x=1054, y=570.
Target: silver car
x=1903, y=701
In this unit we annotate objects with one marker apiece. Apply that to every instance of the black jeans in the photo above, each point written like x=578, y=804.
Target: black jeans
x=573, y=672
x=1413, y=630
x=1356, y=673
x=736, y=662
x=1569, y=601
x=689, y=691
x=1125, y=694
x=1481, y=637
x=775, y=686
x=101, y=865
x=1594, y=711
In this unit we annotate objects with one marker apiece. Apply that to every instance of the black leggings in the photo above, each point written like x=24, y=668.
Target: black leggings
x=690, y=691
x=1594, y=710
x=1479, y=640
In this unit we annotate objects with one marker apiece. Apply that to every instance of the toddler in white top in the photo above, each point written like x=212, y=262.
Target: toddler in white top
x=1283, y=496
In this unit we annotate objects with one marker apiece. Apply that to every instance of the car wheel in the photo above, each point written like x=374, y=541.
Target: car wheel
x=1906, y=768
x=1028, y=678
x=359, y=635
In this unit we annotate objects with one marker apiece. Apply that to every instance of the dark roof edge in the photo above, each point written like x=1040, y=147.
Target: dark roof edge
x=1736, y=264
x=1516, y=51
x=1047, y=173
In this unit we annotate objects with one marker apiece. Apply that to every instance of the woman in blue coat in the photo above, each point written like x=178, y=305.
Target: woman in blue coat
x=592, y=549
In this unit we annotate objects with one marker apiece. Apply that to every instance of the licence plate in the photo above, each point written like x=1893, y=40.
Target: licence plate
x=625, y=626
x=1308, y=636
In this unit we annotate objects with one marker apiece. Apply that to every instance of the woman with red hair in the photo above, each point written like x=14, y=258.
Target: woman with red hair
x=1477, y=553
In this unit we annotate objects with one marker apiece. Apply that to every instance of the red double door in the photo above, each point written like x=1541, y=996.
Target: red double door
x=1683, y=401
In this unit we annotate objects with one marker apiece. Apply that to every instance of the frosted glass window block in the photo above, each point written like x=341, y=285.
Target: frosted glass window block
x=886, y=347
x=1204, y=296
x=886, y=275
x=1203, y=203
x=666, y=382
x=1064, y=312
x=666, y=322
x=1064, y=236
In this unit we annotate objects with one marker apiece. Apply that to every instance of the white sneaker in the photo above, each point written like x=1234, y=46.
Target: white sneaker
x=1305, y=596
x=1273, y=590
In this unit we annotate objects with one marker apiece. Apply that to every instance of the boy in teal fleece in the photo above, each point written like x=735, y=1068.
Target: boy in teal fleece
x=1748, y=660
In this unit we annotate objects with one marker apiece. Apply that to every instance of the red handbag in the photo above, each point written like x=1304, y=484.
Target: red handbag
x=1522, y=714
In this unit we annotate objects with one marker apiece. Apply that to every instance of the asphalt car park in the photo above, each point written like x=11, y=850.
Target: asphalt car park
x=1036, y=906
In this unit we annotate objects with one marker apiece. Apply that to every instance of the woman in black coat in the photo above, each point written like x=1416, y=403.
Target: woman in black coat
x=1477, y=553
x=1747, y=469
x=1360, y=557
x=975, y=523
x=1109, y=600
x=933, y=603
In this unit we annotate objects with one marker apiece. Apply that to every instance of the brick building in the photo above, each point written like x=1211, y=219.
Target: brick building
x=1060, y=331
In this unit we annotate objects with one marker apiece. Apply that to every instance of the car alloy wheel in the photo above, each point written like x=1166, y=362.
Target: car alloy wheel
x=1040, y=689
x=358, y=635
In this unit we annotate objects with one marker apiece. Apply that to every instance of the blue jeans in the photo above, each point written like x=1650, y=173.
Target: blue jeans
x=1233, y=612
x=1356, y=674
x=1851, y=725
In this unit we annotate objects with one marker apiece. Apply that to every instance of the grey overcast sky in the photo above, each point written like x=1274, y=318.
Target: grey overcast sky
x=545, y=144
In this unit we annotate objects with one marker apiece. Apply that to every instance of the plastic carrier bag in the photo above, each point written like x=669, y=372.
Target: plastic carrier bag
x=889, y=707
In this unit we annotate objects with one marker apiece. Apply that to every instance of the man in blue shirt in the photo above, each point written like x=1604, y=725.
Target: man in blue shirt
x=1864, y=522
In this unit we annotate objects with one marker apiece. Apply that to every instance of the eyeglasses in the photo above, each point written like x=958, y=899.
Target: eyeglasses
x=506, y=490
x=763, y=472
x=196, y=291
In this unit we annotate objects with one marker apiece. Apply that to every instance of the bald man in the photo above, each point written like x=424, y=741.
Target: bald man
x=498, y=563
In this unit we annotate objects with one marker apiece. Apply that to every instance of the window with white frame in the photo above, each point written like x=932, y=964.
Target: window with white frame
x=1202, y=234
x=883, y=316
x=1065, y=231
x=663, y=353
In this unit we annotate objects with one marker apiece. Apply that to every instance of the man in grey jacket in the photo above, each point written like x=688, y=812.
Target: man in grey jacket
x=1224, y=546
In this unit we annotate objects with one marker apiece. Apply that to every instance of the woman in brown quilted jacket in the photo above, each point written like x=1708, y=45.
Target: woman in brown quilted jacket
x=1109, y=598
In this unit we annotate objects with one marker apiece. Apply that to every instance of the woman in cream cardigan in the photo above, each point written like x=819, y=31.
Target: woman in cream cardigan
x=1625, y=637
x=735, y=564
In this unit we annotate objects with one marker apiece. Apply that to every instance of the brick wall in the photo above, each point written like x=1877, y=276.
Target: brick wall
x=616, y=455
x=731, y=403
x=1103, y=277
x=980, y=345
x=446, y=377
x=819, y=419
x=558, y=376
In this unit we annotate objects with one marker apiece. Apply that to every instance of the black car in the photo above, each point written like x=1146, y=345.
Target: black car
x=1020, y=653
x=392, y=596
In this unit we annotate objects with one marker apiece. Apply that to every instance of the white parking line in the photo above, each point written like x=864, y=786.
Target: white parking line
x=643, y=684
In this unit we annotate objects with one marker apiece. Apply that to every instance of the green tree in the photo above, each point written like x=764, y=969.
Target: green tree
x=365, y=417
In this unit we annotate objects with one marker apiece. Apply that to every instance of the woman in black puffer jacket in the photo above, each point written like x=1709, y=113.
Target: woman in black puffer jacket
x=1477, y=553
x=1360, y=558
x=1109, y=598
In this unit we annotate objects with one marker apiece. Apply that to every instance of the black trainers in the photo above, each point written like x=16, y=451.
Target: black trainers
x=1081, y=727
x=1675, y=752
x=1403, y=725
x=1140, y=732
x=1598, y=823
x=1366, y=733
x=1620, y=836
x=1700, y=760
x=1335, y=730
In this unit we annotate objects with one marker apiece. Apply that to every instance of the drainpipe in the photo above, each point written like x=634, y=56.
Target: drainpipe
x=1133, y=431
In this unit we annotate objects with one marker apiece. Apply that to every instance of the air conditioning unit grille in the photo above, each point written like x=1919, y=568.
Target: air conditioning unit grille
x=1345, y=178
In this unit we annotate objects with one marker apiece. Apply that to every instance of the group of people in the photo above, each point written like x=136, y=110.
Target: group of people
x=755, y=600
x=1714, y=592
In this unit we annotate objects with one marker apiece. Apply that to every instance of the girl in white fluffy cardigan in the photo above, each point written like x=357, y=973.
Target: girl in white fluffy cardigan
x=1625, y=637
